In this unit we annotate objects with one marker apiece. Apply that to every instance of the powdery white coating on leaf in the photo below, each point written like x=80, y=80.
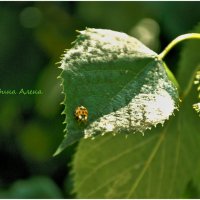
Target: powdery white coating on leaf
x=140, y=114
x=100, y=45
x=152, y=105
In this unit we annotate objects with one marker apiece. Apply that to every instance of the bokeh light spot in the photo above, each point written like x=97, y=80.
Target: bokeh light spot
x=30, y=17
x=147, y=31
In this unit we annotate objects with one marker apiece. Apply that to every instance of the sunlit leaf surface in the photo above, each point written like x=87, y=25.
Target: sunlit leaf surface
x=125, y=88
x=159, y=165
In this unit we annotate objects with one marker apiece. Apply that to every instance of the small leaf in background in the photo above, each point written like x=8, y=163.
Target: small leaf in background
x=119, y=80
x=36, y=187
x=35, y=142
x=196, y=106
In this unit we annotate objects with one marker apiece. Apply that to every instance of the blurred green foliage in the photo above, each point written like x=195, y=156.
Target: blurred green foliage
x=33, y=35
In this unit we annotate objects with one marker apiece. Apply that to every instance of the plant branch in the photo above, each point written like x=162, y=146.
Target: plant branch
x=176, y=41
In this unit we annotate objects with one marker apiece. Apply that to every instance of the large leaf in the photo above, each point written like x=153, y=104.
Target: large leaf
x=158, y=165
x=125, y=88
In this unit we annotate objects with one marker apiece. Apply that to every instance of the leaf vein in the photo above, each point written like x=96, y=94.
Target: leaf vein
x=103, y=164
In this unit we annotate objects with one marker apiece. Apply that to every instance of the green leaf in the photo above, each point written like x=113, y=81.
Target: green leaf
x=159, y=165
x=125, y=88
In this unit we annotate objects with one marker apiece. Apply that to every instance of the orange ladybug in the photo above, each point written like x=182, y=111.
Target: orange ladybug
x=81, y=114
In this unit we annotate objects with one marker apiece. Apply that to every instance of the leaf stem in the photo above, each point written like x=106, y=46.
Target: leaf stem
x=176, y=41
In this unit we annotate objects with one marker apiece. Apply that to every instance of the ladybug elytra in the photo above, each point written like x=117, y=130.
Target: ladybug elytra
x=81, y=114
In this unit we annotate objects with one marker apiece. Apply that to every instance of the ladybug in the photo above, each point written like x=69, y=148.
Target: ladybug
x=81, y=114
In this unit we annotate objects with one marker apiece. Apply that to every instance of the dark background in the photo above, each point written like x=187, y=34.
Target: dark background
x=33, y=35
